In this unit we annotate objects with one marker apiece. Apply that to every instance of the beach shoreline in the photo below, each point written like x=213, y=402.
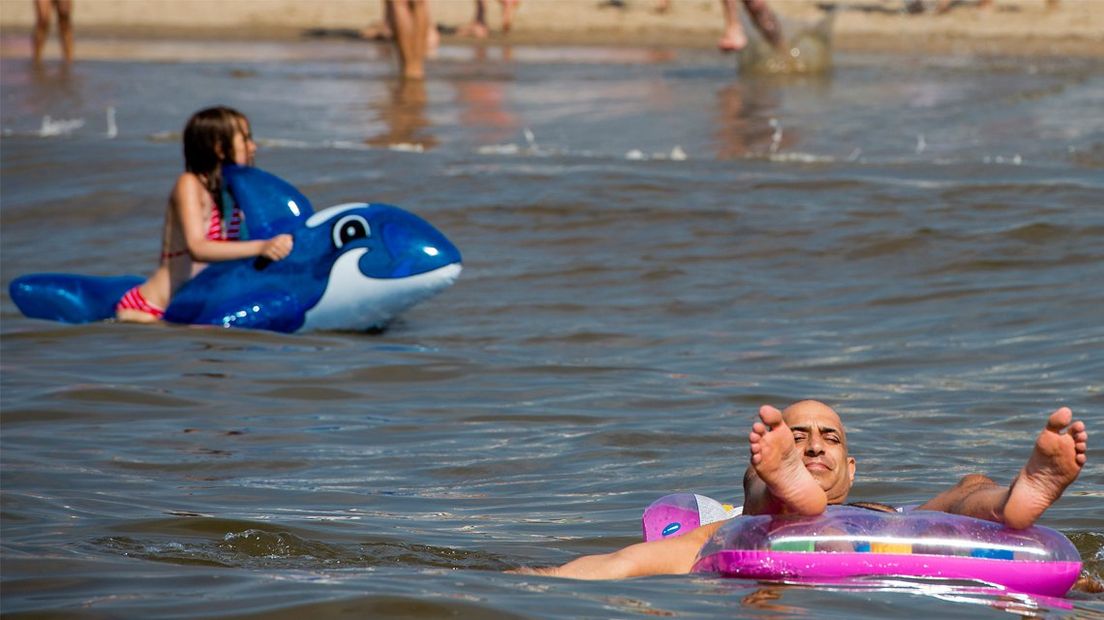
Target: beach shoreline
x=1011, y=28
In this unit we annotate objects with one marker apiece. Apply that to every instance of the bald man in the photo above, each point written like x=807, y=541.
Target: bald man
x=800, y=465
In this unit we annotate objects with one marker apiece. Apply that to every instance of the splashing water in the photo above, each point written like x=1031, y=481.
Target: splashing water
x=808, y=50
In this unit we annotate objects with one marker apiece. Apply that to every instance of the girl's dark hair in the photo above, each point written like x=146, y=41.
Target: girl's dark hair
x=207, y=133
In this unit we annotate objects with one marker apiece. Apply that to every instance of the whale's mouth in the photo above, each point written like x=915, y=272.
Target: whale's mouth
x=353, y=300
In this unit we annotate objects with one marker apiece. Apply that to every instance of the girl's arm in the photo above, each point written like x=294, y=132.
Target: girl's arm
x=187, y=198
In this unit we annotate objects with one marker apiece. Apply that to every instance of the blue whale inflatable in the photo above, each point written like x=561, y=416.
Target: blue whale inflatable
x=354, y=267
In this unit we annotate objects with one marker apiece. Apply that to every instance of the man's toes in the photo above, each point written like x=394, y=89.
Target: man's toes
x=1059, y=419
x=770, y=416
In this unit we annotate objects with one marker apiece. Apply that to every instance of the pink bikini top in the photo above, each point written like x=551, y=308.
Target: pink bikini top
x=215, y=230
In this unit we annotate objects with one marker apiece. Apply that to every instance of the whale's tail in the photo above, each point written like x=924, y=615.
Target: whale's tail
x=70, y=298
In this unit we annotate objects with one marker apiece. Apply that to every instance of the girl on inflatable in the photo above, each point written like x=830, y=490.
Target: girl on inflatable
x=201, y=223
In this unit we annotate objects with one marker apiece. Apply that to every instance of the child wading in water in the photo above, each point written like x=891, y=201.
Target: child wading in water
x=198, y=229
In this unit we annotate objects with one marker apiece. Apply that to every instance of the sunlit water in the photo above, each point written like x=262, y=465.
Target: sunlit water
x=654, y=246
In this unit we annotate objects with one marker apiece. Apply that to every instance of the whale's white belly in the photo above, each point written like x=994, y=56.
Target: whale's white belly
x=353, y=301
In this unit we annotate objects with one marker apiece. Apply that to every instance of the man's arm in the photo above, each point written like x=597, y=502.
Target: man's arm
x=671, y=556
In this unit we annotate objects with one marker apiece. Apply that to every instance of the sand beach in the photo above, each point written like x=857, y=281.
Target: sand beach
x=1007, y=27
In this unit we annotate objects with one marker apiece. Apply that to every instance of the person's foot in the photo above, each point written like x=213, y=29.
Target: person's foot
x=377, y=32
x=413, y=71
x=1055, y=462
x=508, y=7
x=777, y=461
x=475, y=30
x=433, y=41
x=733, y=40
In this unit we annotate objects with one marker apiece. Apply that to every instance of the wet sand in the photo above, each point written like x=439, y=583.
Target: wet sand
x=1010, y=27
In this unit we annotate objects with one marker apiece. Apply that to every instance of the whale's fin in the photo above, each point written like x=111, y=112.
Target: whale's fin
x=70, y=298
x=271, y=204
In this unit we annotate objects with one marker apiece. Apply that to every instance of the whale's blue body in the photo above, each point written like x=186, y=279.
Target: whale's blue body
x=353, y=267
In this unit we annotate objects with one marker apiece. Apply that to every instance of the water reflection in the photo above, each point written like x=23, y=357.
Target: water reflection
x=484, y=110
x=479, y=53
x=34, y=89
x=482, y=98
x=955, y=591
x=746, y=122
x=764, y=598
x=403, y=115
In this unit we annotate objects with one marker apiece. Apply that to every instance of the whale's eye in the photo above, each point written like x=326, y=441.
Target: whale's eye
x=350, y=228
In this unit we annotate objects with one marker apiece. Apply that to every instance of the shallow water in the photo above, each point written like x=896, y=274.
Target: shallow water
x=653, y=247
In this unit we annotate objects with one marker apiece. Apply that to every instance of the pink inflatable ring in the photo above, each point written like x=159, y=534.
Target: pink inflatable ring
x=848, y=542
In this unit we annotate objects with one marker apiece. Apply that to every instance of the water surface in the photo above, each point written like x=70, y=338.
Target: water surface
x=654, y=246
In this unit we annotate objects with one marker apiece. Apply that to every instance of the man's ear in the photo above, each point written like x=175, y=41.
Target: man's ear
x=851, y=469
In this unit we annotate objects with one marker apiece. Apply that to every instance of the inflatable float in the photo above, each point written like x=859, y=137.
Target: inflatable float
x=353, y=267
x=847, y=543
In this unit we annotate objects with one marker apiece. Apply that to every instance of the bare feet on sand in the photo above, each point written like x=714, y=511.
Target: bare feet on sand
x=733, y=40
x=1055, y=462
x=777, y=461
x=474, y=30
x=508, y=8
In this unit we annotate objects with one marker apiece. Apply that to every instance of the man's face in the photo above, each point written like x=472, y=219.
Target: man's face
x=819, y=435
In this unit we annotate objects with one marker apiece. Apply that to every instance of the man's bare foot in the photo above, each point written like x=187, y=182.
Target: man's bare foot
x=777, y=461
x=733, y=40
x=1055, y=462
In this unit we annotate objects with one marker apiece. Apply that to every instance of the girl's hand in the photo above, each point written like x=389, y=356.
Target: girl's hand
x=277, y=248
